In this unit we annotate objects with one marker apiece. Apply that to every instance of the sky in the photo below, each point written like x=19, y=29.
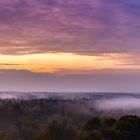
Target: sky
x=70, y=45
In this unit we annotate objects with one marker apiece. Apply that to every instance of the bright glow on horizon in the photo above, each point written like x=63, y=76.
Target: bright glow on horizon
x=56, y=62
x=72, y=45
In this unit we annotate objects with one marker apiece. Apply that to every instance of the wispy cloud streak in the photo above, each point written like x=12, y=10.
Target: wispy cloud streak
x=82, y=26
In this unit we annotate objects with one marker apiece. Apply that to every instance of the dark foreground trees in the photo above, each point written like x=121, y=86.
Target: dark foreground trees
x=56, y=131
x=124, y=128
x=45, y=120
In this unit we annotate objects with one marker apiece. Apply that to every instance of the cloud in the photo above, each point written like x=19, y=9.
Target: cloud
x=82, y=26
x=129, y=60
x=103, y=80
x=9, y=64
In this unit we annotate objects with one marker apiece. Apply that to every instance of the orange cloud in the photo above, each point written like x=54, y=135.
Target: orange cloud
x=57, y=62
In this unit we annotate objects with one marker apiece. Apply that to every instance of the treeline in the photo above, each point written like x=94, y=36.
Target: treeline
x=47, y=120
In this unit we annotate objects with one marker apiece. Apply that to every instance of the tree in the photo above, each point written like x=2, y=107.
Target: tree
x=129, y=127
x=57, y=131
x=93, y=124
x=4, y=136
x=89, y=135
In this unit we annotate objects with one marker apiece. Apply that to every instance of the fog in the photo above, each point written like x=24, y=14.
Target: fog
x=45, y=95
x=124, y=103
x=105, y=102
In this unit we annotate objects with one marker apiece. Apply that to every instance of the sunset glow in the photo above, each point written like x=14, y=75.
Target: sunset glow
x=59, y=38
x=53, y=63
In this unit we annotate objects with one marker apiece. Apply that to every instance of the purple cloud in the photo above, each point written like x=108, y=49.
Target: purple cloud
x=82, y=26
x=103, y=80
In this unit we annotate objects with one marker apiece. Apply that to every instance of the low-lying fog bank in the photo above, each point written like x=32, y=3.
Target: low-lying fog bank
x=128, y=103
x=88, y=103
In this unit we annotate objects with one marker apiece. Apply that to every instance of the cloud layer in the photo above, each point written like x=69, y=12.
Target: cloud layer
x=81, y=26
x=106, y=31
x=106, y=81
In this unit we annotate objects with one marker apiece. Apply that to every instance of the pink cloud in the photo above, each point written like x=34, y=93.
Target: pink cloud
x=82, y=26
